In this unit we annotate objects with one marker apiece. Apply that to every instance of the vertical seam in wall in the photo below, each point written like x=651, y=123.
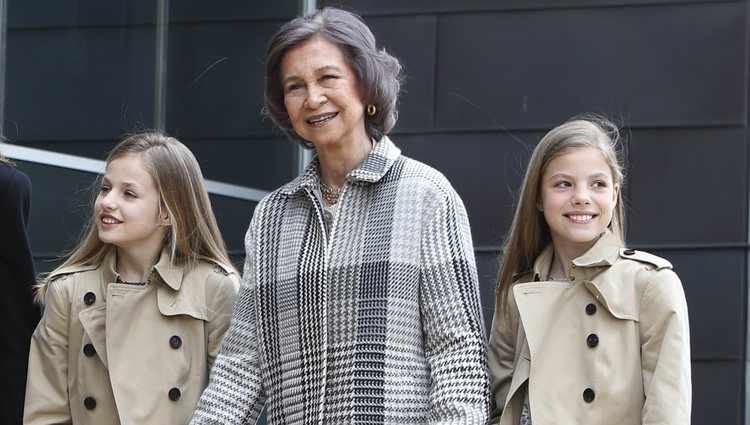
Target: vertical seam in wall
x=3, y=43
x=744, y=368
x=435, y=62
x=160, y=65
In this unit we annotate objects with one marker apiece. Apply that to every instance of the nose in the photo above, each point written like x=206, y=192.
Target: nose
x=108, y=201
x=581, y=197
x=315, y=97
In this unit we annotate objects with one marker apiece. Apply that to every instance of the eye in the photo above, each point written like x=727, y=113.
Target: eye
x=130, y=194
x=104, y=189
x=291, y=88
x=600, y=184
x=561, y=184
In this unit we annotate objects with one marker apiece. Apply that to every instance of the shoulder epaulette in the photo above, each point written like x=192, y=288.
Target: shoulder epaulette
x=69, y=270
x=645, y=257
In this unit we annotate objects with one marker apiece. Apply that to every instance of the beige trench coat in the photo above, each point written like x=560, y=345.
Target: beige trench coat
x=112, y=353
x=610, y=347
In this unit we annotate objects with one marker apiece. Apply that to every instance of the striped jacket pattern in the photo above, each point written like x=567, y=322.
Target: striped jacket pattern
x=376, y=321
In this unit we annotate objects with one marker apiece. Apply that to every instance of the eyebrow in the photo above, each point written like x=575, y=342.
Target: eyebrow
x=593, y=176
x=319, y=70
x=126, y=184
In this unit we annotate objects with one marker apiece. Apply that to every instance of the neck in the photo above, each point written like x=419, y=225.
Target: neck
x=135, y=267
x=336, y=162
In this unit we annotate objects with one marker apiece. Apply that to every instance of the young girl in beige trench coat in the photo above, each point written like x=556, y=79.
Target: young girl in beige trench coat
x=134, y=318
x=585, y=331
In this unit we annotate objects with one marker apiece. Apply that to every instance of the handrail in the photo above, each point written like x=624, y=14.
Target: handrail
x=80, y=163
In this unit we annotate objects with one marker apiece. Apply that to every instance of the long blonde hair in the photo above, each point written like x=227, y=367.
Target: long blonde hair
x=3, y=159
x=194, y=233
x=529, y=232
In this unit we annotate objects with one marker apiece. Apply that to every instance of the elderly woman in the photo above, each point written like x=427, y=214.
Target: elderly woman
x=360, y=301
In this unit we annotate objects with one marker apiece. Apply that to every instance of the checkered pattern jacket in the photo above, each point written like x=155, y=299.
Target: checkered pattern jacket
x=377, y=321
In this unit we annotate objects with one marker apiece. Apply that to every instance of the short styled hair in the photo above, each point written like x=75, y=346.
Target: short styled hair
x=378, y=73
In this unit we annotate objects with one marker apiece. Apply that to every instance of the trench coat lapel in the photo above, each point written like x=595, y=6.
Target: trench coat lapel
x=94, y=319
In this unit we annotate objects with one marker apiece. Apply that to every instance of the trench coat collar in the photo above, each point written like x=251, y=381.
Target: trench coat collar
x=608, y=289
x=373, y=168
x=170, y=274
x=604, y=253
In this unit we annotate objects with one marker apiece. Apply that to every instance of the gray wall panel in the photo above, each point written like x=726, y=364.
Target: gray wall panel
x=232, y=10
x=688, y=186
x=86, y=84
x=78, y=13
x=391, y=7
x=717, y=391
x=412, y=40
x=715, y=290
x=486, y=169
x=571, y=61
x=216, y=76
x=260, y=163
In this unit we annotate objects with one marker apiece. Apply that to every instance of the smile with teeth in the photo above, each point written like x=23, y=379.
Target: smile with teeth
x=581, y=218
x=322, y=118
x=109, y=220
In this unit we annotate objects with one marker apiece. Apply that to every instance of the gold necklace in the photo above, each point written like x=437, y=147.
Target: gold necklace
x=330, y=194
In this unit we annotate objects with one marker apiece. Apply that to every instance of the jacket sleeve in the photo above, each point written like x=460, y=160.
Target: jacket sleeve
x=224, y=296
x=452, y=321
x=235, y=392
x=502, y=353
x=47, y=384
x=665, y=350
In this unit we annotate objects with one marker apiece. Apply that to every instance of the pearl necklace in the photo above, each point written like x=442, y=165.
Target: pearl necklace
x=330, y=194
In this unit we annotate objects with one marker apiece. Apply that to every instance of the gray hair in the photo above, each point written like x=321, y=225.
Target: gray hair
x=378, y=73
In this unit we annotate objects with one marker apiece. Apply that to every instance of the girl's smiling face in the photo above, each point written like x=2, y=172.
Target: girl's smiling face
x=577, y=197
x=127, y=208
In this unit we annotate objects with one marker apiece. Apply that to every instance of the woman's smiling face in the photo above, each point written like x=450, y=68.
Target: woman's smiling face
x=321, y=94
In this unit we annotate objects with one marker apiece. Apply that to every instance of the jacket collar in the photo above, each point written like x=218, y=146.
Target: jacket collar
x=588, y=269
x=604, y=253
x=164, y=269
x=377, y=163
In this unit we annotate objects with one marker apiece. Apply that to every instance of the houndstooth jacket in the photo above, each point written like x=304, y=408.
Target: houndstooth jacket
x=377, y=321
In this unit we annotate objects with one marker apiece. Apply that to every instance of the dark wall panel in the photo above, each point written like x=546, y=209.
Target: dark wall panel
x=486, y=169
x=717, y=393
x=233, y=216
x=714, y=282
x=232, y=10
x=576, y=60
x=263, y=164
x=688, y=186
x=416, y=52
x=61, y=202
x=71, y=13
x=390, y=7
x=216, y=74
x=65, y=84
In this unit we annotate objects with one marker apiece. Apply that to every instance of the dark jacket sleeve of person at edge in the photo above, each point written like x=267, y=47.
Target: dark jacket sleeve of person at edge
x=360, y=298
x=18, y=314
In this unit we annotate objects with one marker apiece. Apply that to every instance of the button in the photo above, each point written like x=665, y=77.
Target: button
x=89, y=403
x=175, y=342
x=89, y=350
x=572, y=278
x=592, y=340
x=629, y=252
x=89, y=298
x=588, y=395
x=174, y=394
x=590, y=309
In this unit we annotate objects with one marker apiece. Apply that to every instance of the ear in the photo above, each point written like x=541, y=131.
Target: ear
x=539, y=206
x=165, y=220
x=616, y=193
